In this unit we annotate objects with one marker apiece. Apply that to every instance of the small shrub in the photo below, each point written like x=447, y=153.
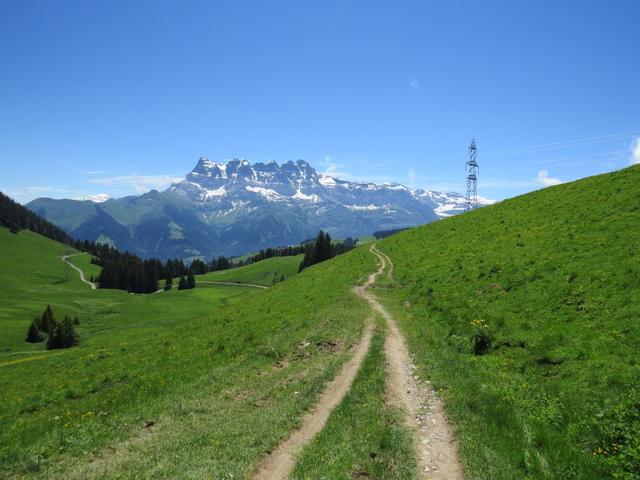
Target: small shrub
x=481, y=341
x=459, y=344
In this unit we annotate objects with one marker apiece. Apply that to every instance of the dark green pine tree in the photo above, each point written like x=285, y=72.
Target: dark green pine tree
x=47, y=322
x=320, y=250
x=324, y=248
x=168, y=281
x=182, y=284
x=33, y=334
x=191, y=280
x=64, y=335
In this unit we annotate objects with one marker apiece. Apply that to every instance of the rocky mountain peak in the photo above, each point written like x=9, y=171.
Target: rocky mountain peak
x=233, y=207
x=211, y=175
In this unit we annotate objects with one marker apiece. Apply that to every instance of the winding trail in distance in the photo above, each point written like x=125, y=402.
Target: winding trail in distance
x=65, y=259
x=435, y=445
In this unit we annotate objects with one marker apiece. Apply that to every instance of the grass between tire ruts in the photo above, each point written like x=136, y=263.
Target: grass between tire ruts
x=364, y=437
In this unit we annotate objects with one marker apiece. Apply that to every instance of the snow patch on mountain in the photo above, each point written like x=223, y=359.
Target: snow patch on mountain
x=360, y=208
x=326, y=180
x=267, y=193
x=218, y=192
x=308, y=198
x=97, y=198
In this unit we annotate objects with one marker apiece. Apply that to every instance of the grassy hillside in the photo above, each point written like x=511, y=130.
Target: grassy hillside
x=260, y=273
x=553, y=278
x=187, y=384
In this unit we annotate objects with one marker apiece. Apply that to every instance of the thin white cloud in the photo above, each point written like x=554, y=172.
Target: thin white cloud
x=560, y=145
x=635, y=152
x=414, y=84
x=545, y=180
x=333, y=169
x=139, y=183
x=77, y=170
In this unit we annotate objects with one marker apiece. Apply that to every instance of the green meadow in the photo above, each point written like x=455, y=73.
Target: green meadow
x=186, y=384
x=265, y=272
x=553, y=279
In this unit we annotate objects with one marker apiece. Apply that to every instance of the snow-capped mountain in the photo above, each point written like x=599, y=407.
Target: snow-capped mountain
x=216, y=185
x=236, y=207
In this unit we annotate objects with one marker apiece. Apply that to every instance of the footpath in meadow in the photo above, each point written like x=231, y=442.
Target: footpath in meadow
x=435, y=445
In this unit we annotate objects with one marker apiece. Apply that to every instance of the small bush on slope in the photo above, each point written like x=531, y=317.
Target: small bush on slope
x=555, y=277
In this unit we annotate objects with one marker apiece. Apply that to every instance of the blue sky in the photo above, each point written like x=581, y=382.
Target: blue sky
x=120, y=97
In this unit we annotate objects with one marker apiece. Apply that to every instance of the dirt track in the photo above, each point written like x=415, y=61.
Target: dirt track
x=435, y=445
x=278, y=465
x=65, y=260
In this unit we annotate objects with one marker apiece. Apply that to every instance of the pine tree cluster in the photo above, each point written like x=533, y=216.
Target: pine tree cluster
x=289, y=251
x=129, y=272
x=58, y=334
x=188, y=283
x=323, y=249
x=221, y=263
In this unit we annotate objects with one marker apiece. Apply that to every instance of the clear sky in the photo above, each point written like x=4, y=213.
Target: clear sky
x=119, y=97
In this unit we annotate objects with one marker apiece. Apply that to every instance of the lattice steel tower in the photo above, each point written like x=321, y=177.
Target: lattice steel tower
x=472, y=178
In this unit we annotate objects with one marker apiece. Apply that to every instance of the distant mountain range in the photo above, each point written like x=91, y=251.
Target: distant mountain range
x=238, y=207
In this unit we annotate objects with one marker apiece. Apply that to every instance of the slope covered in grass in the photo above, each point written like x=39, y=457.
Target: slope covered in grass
x=553, y=279
x=184, y=384
x=265, y=272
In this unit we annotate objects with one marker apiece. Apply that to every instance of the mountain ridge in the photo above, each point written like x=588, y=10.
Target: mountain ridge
x=235, y=207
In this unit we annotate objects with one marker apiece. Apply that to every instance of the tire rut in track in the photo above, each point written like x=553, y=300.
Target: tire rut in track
x=435, y=445
x=279, y=463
